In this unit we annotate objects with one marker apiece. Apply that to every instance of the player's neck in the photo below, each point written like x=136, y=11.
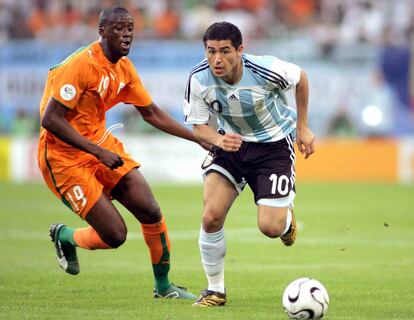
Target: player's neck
x=236, y=75
x=112, y=57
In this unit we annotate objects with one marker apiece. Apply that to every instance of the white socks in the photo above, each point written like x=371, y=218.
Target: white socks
x=288, y=221
x=213, y=250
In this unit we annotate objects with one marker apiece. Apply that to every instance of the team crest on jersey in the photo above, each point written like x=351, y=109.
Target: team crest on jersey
x=67, y=92
x=259, y=105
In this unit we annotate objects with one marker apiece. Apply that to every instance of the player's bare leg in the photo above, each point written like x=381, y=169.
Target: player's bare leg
x=277, y=222
x=219, y=195
x=99, y=235
x=135, y=194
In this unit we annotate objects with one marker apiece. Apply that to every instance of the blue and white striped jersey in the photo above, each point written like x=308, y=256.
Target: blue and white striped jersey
x=255, y=108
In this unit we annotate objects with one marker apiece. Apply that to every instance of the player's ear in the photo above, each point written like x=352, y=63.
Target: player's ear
x=101, y=31
x=240, y=49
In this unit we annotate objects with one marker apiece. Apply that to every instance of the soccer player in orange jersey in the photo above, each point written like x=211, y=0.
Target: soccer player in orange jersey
x=86, y=167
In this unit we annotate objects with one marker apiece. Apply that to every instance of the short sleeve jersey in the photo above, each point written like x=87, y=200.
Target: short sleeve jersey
x=89, y=84
x=255, y=108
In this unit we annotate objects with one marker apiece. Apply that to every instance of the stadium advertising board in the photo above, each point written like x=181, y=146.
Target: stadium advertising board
x=170, y=160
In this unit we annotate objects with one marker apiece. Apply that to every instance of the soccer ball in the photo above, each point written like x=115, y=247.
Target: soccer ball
x=305, y=298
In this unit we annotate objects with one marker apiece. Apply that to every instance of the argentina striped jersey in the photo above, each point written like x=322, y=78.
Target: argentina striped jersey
x=255, y=108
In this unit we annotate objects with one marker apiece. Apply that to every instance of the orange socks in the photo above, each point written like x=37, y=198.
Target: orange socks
x=88, y=238
x=156, y=238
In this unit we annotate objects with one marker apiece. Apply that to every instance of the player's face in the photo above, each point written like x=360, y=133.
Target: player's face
x=118, y=34
x=224, y=60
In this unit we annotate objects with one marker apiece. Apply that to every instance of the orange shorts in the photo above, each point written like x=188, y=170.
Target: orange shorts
x=78, y=178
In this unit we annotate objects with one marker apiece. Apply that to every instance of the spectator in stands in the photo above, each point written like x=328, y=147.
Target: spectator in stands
x=167, y=23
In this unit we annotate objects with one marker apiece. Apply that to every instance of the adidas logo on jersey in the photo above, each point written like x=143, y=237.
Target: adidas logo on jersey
x=233, y=97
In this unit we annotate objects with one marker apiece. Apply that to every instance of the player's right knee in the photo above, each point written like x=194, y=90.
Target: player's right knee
x=212, y=222
x=116, y=239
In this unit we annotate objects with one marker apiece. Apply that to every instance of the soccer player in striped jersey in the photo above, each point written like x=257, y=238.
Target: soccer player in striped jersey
x=253, y=146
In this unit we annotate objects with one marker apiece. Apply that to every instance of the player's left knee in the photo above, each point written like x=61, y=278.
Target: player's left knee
x=151, y=213
x=271, y=231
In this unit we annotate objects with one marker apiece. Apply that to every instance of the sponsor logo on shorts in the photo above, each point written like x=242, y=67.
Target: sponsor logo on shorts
x=67, y=92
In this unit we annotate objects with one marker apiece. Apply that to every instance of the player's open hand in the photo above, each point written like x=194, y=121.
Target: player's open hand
x=230, y=142
x=306, y=141
x=110, y=159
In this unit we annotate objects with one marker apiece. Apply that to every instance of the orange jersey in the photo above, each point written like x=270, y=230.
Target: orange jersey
x=89, y=84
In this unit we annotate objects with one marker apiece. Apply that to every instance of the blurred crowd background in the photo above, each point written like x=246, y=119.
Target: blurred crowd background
x=329, y=22
x=358, y=54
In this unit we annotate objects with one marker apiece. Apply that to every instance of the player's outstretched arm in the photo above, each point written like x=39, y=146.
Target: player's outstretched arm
x=54, y=121
x=230, y=142
x=304, y=136
x=163, y=121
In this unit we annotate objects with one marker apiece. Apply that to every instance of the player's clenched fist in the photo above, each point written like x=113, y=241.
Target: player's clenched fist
x=306, y=141
x=230, y=142
x=110, y=159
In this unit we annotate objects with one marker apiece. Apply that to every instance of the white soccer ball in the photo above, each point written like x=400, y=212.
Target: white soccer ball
x=305, y=298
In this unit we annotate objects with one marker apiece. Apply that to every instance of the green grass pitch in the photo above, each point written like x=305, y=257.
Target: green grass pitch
x=357, y=239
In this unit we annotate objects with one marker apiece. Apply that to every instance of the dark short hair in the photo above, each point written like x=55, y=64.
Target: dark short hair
x=223, y=31
x=106, y=15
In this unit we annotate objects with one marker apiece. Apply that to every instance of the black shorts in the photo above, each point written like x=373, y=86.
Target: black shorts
x=268, y=168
